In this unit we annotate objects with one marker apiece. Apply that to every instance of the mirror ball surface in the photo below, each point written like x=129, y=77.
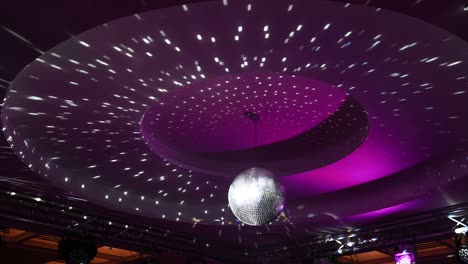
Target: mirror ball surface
x=256, y=196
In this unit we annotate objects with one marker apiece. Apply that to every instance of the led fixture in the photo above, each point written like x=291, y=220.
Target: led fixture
x=461, y=230
x=462, y=254
x=405, y=254
x=462, y=250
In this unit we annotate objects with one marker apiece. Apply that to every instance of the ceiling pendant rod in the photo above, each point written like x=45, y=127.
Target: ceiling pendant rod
x=254, y=118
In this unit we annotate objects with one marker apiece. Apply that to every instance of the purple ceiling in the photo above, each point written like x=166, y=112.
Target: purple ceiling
x=204, y=117
x=355, y=102
x=204, y=127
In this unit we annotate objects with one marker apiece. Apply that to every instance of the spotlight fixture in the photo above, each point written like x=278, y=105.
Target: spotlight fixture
x=77, y=249
x=405, y=254
x=462, y=250
x=465, y=8
x=350, y=243
x=461, y=230
x=462, y=254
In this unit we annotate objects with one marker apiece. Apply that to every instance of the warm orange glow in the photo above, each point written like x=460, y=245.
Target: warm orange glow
x=43, y=241
x=99, y=260
x=14, y=232
x=116, y=252
x=372, y=255
x=432, y=249
x=29, y=240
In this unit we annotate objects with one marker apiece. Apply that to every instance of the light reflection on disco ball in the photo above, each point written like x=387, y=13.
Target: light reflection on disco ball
x=256, y=197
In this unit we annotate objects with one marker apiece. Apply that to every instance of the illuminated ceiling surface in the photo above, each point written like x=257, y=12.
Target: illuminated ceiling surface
x=144, y=114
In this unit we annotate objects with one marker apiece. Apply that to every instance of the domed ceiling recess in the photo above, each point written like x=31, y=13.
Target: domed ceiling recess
x=145, y=114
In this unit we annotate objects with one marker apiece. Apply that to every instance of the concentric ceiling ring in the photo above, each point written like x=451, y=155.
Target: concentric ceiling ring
x=73, y=115
x=189, y=128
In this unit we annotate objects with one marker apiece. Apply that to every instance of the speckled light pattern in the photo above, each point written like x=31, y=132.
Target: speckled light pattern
x=203, y=127
x=74, y=114
x=208, y=115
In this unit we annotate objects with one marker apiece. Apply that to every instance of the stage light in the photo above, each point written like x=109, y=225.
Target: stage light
x=466, y=7
x=462, y=250
x=404, y=259
x=462, y=254
x=461, y=230
x=76, y=249
x=405, y=254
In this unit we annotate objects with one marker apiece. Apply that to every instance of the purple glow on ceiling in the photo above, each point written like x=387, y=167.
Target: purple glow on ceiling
x=203, y=127
x=208, y=115
x=406, y=206
x=365, y=164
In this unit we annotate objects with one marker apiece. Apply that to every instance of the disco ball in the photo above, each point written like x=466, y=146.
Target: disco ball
x=256, y=197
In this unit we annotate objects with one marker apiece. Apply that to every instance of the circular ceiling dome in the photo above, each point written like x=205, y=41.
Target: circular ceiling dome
x=303, y=124
x=208, y=115
x=84, y=115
